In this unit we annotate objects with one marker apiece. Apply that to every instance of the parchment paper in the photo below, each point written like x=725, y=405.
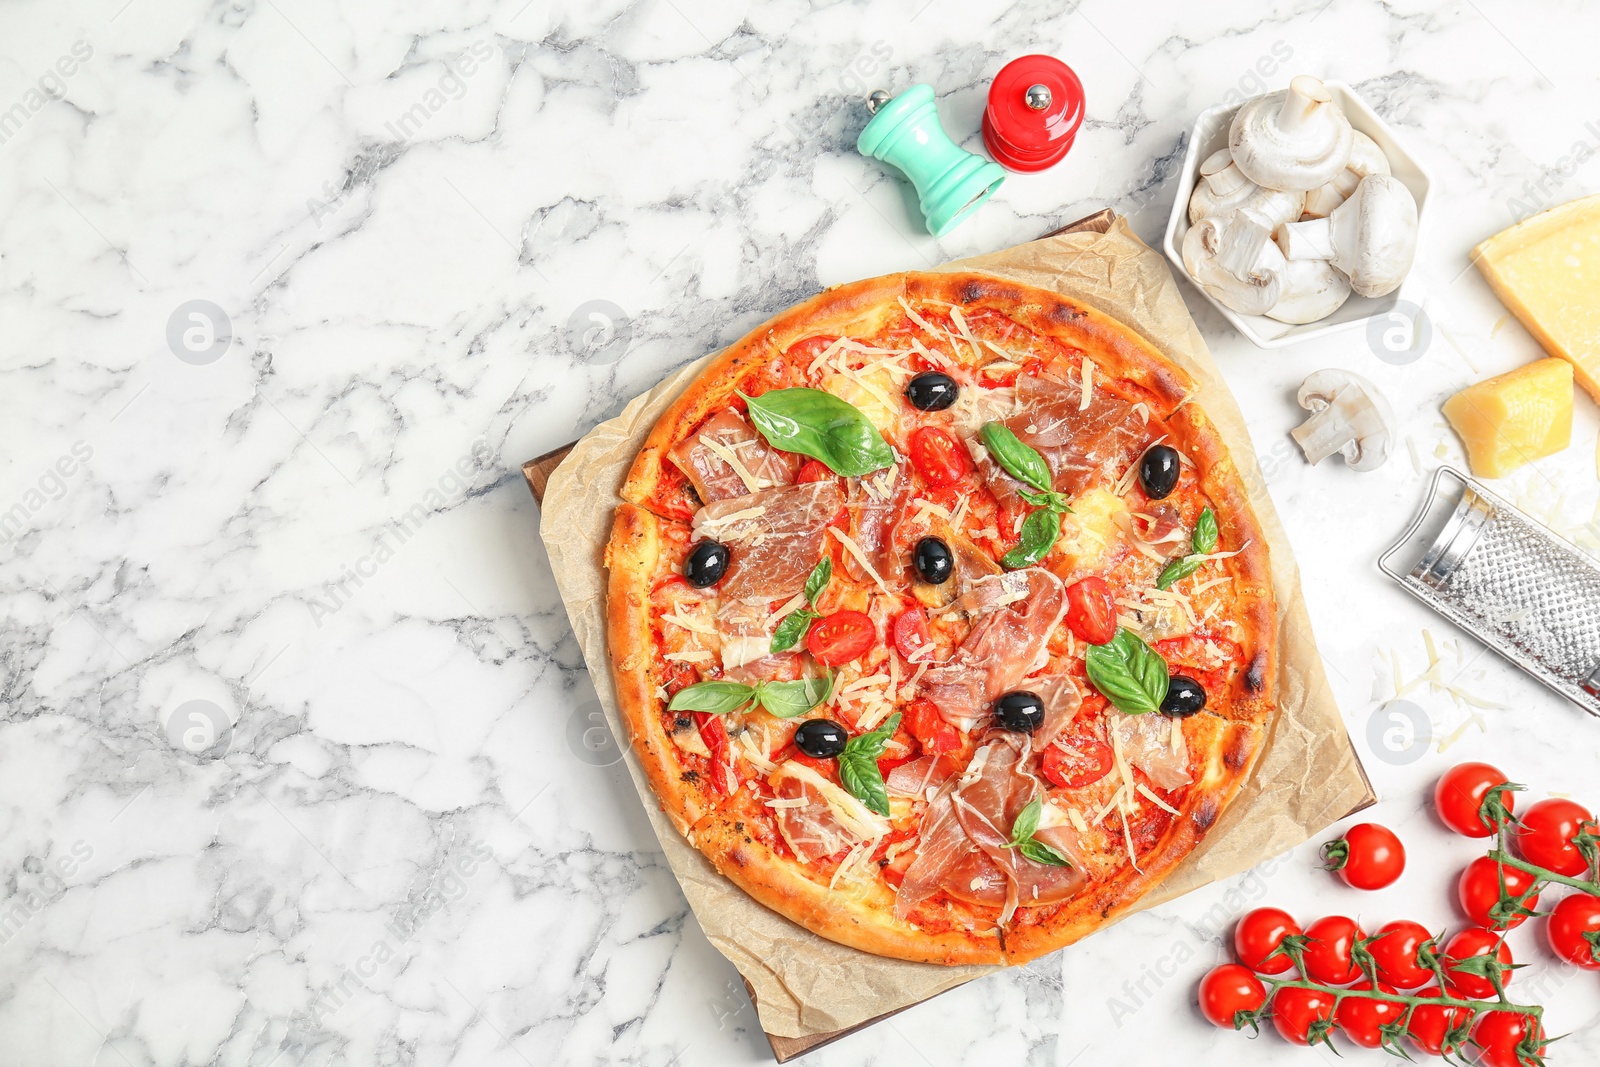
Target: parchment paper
x=1306, y=777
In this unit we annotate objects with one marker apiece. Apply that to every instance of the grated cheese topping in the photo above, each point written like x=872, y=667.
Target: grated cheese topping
x=854, y=549
x=728, y=456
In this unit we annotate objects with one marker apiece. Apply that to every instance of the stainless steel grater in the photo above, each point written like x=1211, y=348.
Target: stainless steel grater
x=1510, y=581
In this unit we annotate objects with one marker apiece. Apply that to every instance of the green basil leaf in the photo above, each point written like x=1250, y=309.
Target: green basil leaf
x=1027, y=821
x=820, y=425
x=870, y=745
x=791, y=629
x=860, y=775
x=1039, y=852
x=1177, y=571
x=715, y=698
x=787, y=700
x=819, y=579
x=1128, y=672
x=1054, y=501
x=1020, y=461
x=1204, y=540
x=1039, y=531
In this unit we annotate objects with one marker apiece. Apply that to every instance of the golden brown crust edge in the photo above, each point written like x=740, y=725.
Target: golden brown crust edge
x=631, y=558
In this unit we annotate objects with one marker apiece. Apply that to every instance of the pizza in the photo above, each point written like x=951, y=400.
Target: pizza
x=939, y=617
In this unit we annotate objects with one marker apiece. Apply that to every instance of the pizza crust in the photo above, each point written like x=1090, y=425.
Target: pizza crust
x=863, y=918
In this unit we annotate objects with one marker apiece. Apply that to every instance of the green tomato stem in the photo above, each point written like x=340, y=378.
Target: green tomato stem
x=1411, y=1002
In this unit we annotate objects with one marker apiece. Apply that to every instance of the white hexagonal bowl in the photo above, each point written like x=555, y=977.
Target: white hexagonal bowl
x=1211, y=133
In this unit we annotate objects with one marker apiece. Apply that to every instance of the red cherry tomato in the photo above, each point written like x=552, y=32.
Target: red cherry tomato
x=1091, y=611
x=938, y=457
x=1574, y=930
x=1508, y=1039
x=1394, y=950
x=1474, y=941
x=909, y=632
x=1363, y=1019
x=929, y=728
x=1303, y=1016
x=1329, y=944
x=1434, y=1026
x=1479, y=892
x=841, y=637
x=1459, y=796
x=1259, y=934
x=1077, y=761
x=1543, y=836
x=1228, y=990
x=1368, y=856
x=813, y=470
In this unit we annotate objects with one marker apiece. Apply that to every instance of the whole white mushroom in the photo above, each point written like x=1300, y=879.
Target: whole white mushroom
x=1366, y=158
x=1372, y=236
x=1295, y=138
x=1222, y=186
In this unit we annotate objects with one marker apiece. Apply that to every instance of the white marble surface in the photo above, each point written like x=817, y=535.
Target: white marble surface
x=407, y=853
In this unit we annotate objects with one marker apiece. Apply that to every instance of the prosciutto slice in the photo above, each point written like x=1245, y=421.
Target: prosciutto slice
x=818, y=819
x=876, y=504
x=776, y=537
x=1147, y=742
x=703, y=458
x=999, y=652
x=1083, y=446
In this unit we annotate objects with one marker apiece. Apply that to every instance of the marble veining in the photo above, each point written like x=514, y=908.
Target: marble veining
x=299, y=761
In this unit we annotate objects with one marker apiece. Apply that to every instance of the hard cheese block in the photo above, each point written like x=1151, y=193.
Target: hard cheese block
x=1514, y=418
x=1547, y=271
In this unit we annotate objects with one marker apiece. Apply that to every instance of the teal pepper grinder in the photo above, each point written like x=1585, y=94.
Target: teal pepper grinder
x=950, y=181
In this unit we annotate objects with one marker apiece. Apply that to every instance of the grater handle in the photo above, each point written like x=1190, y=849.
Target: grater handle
x=1416, y=523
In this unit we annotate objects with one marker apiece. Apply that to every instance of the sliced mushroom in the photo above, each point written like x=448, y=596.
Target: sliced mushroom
x=1251, y=225
x=1221, y=187
x=1349, y=416
x=1312, y=289
x=1295, y=138
x=1253, y=294
x=1366, y=158
x=1372, y=236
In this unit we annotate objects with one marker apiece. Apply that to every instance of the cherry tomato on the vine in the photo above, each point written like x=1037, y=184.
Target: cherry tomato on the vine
x=938, y=457
x=1258, y=936
x=841, y=637
x=1474, y=941
x=1226, y=991
x=1478, y=890
x=1394, y=949
x=1077, y=760
x=1328, y=953
x=1091, y=610
x=1431, y=1024
x=1544, y=836
x=1508, y=1039
x=1362, y=1019
x=1459, y=796
x=1368, y=856
x=1574, y=930
x=1303, y=1016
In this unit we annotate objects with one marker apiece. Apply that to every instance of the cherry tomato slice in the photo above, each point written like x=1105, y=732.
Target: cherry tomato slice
x=938, y=457
x=929, y=728
x=1228, y=990
x=1544, y=836
x=1394, y=949
x=813, y=470
x=1091, y=611
x=1077, y=761
x=909, y=632
x=1574, y=930
x=1459, y=796
x=1478, y=890
x=841, y=637
x=1258, y=936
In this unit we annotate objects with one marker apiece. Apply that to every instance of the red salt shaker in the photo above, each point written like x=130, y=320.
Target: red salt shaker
x=1035, y=109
